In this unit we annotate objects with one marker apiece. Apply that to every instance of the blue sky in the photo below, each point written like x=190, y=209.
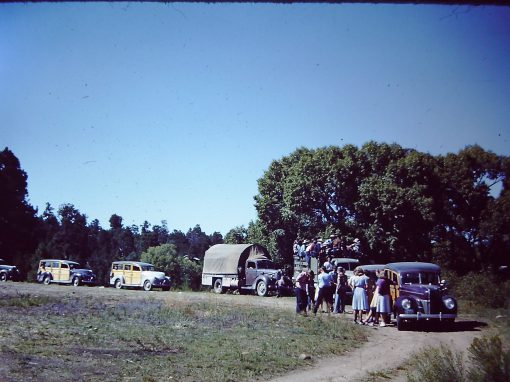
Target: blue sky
x=173, y=111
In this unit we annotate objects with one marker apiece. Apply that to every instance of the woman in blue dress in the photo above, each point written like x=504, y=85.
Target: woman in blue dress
x=359, y=297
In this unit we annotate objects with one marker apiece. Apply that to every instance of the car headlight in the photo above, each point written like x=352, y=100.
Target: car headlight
x=406, y=303
x=449, y=303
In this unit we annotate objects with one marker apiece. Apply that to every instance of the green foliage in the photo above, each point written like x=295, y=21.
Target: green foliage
x=438, y=365
x=236, y=235
x=488, y=361
x=480, y=290
x=185, y=273
x=402, y=204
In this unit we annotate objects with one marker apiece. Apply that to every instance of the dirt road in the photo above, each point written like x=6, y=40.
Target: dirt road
x=384, y=352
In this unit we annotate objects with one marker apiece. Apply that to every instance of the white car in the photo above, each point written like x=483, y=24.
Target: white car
x=135, y=274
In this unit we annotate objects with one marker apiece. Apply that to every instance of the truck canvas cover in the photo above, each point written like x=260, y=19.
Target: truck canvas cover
x=226, y=258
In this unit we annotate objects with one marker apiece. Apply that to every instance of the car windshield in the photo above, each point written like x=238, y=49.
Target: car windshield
x=74, y=266
x=266, y=264
x=148, y=268
x=420, y=278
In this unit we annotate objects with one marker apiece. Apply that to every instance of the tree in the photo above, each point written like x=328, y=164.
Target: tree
x=18, y=221
x=236, y=235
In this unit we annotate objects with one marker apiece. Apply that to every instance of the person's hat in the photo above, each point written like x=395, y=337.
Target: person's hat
x=306, y=241
x=356, y=240
x=332, y=236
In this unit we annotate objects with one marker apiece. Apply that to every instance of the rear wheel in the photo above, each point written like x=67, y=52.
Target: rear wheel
x=218, y=286
x=147, y=285
x=262, y=288
x=3, y=277
x=118, y=284
x=46, y=280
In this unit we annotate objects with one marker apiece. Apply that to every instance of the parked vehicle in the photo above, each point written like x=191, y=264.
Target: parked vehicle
x=243, y=267
x=135, y=274
x=64, y=272
x=419, y=294
x=8, y=272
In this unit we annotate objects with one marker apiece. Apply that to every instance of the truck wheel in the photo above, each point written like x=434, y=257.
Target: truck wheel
x=76, y=281
x=262, y=288
x=218, y=287
x=147, y=285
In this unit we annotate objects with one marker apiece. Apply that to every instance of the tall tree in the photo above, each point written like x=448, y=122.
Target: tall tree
x=18, y=221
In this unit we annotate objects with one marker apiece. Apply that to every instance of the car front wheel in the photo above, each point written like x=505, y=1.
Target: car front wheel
x=76, y=281
x=262, y=288
x=147, y=285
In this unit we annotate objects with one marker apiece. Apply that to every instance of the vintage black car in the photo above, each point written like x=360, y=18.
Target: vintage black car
x=419, y=294
x=8, y=272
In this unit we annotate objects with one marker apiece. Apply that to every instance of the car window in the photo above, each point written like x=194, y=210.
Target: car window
x=266, y=264
x=54, y=264
x=64, y=265
x=251, y=265
x=148, y=268
x=127, y=267
x=116, y=267
x=410, y=278
x=136, y=268
x=430, y=278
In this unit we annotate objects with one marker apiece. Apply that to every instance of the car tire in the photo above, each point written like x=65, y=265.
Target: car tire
x=47, y=280
x=147, y=285
x=3, y=277
x=118, y=284
x=76, y=281
x=262, y=288
x=401, y=324
x=218, y=287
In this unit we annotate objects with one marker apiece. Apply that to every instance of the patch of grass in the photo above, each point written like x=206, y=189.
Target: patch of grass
x=23, y=300
x=148, y=340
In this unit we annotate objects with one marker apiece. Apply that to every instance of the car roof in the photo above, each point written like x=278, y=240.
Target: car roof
x=345, y=260
x=373, y=267
x=62, y=261
x=132, y=262
x=413, y=267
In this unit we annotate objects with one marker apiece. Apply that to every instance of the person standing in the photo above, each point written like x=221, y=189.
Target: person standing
x=300, y=291
x=325, y=283
x=359, y=296
x=383, y=307
x=341, y=291
x=310, y=290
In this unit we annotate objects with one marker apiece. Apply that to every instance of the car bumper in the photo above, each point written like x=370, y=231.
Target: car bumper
x=89, y=281
x=422, y=316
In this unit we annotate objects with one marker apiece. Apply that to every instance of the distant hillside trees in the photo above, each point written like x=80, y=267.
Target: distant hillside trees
x=402, y=204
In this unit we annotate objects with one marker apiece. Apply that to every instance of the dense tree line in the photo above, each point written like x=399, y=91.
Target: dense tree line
x=402, y=204
x=65, y=233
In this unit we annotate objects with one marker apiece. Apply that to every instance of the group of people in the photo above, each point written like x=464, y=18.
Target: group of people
x=321, y=249
x=370, y=295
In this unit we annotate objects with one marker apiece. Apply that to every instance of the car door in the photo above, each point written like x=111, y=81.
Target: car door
x=251, y=272
x=136, y=275
x=65, y=272
x=55, y=270
x=128, y=274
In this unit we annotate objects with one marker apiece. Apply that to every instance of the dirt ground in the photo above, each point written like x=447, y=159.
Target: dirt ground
x=383, y=354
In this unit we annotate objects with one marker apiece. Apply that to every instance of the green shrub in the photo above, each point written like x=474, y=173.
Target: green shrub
x=472, y=288
x=438, y=365
x=489, y=361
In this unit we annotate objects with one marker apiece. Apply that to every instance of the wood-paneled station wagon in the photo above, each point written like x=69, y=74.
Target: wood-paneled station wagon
x=136, y=274
x=418, y=294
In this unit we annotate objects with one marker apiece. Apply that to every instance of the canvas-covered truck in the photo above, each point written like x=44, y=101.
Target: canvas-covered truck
x=242, y=267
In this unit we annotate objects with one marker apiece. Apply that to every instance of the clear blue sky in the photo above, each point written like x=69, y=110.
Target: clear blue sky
x=173, y=111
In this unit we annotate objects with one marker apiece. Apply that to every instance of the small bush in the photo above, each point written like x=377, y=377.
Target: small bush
x=438, y=365
x=489, y=361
